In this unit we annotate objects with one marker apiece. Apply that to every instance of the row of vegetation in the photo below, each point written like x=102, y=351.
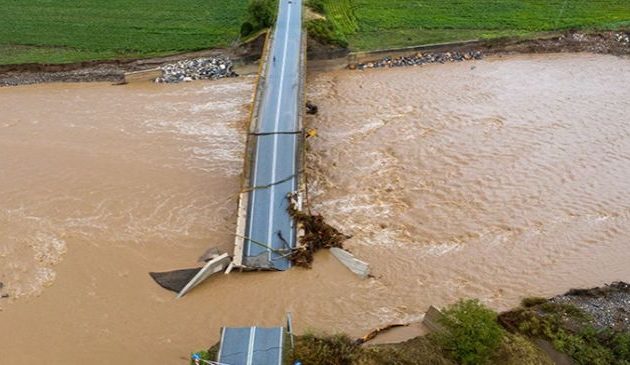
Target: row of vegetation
x=376, y=24
x=261, y=14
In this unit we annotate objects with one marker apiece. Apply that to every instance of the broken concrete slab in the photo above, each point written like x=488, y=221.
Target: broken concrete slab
x=432, y=319
x=361, y=268
x=174, y=280
x=210, y=254
x=213, y=266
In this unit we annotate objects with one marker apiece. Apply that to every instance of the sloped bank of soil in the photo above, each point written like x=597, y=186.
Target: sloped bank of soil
x=591, y=326
x=612, y=42
x=114, y=70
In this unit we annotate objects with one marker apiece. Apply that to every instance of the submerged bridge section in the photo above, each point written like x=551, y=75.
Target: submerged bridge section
x=265, y=230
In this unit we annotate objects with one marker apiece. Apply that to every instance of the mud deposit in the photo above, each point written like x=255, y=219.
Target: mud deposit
x=495, y=179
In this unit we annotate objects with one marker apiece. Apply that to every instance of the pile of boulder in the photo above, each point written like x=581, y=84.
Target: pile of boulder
x=197, y=69
x=622, y=37
x=421, y=59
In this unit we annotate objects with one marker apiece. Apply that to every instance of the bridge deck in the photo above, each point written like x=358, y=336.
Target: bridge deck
x=274, y=171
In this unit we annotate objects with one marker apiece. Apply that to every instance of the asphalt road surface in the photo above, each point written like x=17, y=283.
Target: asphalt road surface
x=275, y=160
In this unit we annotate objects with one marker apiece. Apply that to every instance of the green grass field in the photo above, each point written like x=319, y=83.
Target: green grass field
x=59, y=31
x=377, y=24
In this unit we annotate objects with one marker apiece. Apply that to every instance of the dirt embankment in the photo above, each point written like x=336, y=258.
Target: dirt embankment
x=114, y=70
x=614, y=42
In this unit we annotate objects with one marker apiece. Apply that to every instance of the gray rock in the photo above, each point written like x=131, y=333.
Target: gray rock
x=197, y=69
x=420, y=59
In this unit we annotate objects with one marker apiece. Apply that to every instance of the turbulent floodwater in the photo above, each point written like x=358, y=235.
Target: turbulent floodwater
x=494, y=179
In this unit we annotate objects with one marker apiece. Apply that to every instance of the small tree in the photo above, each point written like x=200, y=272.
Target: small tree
x=262, y=13
x=471, y=333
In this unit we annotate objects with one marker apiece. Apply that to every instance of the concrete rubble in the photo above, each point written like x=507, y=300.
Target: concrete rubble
x=360, y=268
x=197, y=69
x=421, y=59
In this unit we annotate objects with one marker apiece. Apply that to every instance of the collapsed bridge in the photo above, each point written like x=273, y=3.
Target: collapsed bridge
x=266, y=232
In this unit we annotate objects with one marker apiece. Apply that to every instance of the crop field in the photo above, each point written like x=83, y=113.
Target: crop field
x=77, y=30
x=341, y=14
x=397, y=23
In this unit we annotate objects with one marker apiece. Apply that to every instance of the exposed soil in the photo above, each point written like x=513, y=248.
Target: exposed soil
x=615, y=43
x=114, y=70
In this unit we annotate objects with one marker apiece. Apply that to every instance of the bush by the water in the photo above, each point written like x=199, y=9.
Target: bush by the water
x=326, y=350
x=337, y=23
x=260, y=14
x=471, y=333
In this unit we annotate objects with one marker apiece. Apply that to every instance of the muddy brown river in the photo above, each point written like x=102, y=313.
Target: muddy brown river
x=494, y=179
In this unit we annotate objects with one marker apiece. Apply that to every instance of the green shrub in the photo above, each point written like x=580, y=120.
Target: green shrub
x=621, y=346
x=317, y=5
x=471, y=333
x=247, y=28
x=532, y=301
x=338, y=23
x=324, y=31
x=204, y=355
x=326, y=350
x=260, y=14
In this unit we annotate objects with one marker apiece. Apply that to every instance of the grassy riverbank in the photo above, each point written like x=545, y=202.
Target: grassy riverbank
x=375, y=24
x=64, y=31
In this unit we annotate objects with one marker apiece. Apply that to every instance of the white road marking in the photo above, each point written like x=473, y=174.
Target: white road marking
x=271, y=209
x=250, y=350
x=275, y=129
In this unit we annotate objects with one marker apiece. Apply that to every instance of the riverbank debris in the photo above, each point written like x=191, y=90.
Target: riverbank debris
x=317, y=235
x=210, y=254
x=420, y=59
x=211, y=68
x=174, y=280
x=372, y=334
x=311, y=108
x=184, y=280
x=360, y=268
x=140, y=76
x=432, y=319
x=214, y=266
